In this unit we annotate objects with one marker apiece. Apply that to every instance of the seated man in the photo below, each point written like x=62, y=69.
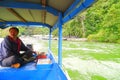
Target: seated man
x=10, y=49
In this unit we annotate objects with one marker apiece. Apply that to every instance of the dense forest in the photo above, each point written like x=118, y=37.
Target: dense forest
x=100, y=22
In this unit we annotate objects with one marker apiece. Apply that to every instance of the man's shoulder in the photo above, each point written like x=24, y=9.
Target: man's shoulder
x=6, y=39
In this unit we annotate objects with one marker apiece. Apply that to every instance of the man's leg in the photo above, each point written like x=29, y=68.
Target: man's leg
x=7, y=62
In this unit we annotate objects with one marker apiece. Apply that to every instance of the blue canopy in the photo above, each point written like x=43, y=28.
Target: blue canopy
x=39, y=12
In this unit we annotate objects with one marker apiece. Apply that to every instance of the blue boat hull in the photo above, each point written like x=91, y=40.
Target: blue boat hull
x=33, y=71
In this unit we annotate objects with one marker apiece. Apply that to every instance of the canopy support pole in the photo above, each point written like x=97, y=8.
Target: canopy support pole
x=50, y=36
x=60, y=40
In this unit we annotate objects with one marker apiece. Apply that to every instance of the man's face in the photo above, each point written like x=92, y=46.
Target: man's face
x=13, y=33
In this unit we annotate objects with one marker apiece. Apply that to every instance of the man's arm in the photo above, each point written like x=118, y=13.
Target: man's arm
x=6, y=47
x=23, y=47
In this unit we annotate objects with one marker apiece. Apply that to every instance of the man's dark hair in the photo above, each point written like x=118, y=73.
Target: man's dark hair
x=14, y=28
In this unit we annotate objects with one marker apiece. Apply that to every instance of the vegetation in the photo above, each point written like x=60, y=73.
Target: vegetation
x=28, y=31
x=105, y=20
x=101, y=23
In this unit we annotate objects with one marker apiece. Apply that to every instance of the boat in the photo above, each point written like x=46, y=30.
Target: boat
x=40, y=13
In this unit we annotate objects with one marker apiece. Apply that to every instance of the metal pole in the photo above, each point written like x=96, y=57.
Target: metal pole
x=60, y=40
x=50, y=38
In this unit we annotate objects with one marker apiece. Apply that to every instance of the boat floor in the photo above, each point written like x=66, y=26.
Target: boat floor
x=33, y=71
